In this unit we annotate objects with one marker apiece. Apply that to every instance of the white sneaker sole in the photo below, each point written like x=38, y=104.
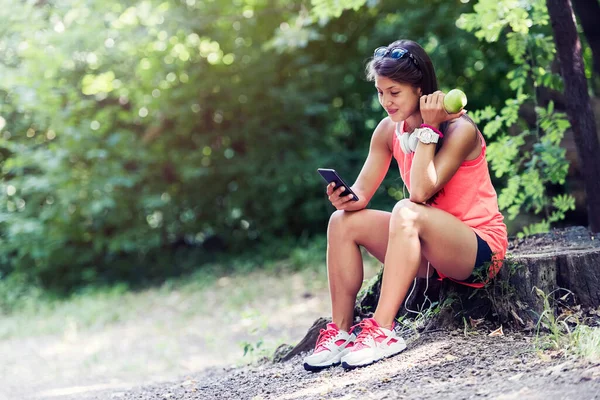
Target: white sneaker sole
x=327, y=363
x=363, y=362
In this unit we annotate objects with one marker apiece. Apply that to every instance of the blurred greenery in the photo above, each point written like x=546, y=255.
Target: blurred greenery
x=142, y=140
x=530, y=157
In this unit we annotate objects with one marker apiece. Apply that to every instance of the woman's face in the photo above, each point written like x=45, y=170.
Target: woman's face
x=400, y=100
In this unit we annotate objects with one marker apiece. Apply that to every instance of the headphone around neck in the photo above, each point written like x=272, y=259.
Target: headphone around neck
x=408, y=141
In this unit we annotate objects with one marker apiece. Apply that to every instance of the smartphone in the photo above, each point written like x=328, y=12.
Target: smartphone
x=330, y=175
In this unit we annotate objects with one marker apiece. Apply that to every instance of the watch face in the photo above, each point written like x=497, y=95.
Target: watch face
x=426, y=136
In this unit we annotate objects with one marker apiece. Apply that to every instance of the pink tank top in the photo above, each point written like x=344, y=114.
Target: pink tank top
x=469, y=196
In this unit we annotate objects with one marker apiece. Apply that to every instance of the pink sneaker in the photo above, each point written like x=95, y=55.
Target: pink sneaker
x=372, y=344
x=331, y=346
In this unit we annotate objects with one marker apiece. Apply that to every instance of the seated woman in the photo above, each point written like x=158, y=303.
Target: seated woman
x=450, y=224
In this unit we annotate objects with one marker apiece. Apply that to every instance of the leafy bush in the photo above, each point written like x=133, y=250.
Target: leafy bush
x=136, y=138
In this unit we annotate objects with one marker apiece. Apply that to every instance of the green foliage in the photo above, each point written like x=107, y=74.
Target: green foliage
x=250, y=348
x=146, y=128
x=16, y=293
x=328, y=8
x=137, y=138
x=529, y=157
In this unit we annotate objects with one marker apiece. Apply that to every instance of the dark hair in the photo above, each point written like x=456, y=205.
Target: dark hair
x=420, y=74
x=404, y=69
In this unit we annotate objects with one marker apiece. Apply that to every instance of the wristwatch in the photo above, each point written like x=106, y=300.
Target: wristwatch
x=426, y=135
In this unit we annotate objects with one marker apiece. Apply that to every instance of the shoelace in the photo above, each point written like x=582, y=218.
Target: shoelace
x=367, y=329
x=325, y=335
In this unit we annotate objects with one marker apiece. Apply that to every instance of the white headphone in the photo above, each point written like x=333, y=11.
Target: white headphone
x=408, y=141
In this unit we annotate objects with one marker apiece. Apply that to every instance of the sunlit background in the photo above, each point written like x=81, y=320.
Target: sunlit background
x=148, y=140
x=138, y=138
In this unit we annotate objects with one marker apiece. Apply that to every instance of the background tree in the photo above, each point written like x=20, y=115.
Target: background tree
x=578, y=104
x=527, y=133
x=588, y=12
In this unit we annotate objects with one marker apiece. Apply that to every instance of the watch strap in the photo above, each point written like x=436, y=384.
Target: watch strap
x=433, y=129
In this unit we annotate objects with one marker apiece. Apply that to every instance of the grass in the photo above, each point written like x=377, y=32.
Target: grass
x=229, y=288
x=586, y=343
x=566, y=332
x=95, y=309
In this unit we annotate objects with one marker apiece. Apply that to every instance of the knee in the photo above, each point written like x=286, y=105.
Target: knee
x=340, y=223
x=405, y=218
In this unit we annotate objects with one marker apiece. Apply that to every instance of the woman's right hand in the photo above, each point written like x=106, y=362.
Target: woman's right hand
x=347, y=202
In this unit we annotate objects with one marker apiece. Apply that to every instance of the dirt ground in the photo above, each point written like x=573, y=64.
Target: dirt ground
x=165, y=334
x=167, y=353
x=436, y=365
x=454, y=364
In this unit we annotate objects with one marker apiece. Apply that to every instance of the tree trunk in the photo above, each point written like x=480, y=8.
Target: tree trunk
x=588, y=12
x=579, y=108
x=554, y=273
x=561, y=267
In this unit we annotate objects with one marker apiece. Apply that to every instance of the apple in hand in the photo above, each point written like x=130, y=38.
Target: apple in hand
x=454, y=101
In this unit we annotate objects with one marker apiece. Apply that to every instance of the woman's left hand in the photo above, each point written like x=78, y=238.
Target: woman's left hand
x=433, y=111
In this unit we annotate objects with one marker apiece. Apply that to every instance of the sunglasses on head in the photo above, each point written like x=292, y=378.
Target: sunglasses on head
x=395, y=53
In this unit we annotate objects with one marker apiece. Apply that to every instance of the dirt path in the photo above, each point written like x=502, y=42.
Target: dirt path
x=436, y=365
x=167, y=347
x=161, y=336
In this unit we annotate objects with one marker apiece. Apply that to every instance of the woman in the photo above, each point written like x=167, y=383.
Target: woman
x=450, y=224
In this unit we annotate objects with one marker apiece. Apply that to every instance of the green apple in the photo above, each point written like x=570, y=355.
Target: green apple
x=454, y=101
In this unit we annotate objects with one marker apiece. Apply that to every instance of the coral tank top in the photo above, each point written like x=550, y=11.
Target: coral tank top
x=470, y=196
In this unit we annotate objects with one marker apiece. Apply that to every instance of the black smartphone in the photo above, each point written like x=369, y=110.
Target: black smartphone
x=330, y=175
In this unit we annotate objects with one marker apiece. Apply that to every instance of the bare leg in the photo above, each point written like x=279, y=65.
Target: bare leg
x=416, y=230
x=346, y=232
